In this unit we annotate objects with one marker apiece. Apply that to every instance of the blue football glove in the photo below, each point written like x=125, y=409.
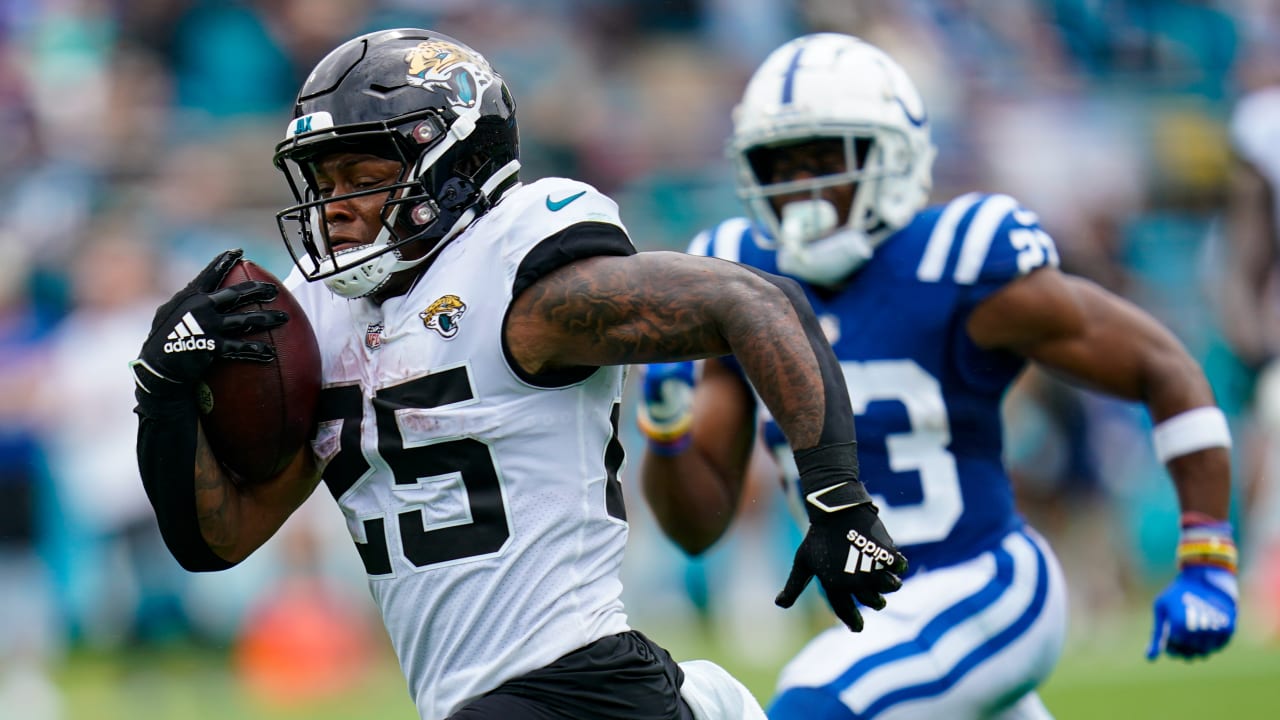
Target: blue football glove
x=666, y=414
x=1196, y=614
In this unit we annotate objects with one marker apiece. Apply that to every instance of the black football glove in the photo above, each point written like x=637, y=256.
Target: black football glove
x=196, y=326
x=846, y=547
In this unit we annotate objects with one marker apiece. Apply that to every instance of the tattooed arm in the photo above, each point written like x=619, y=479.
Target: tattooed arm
x=663, y=306
x=208, y=522
x=236, y=519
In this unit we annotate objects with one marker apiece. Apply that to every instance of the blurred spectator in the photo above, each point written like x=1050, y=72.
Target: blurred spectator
x=1252, y=308
x=121, y=583
x=30, y=626
x=226, y=62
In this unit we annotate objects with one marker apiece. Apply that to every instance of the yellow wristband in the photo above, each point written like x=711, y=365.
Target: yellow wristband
x=1208, y=550
x=667, y=432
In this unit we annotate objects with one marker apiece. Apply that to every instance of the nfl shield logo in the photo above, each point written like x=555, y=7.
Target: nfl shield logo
x=373, y=336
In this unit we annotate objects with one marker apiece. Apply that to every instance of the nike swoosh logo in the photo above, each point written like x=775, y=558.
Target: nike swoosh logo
x=554, y=205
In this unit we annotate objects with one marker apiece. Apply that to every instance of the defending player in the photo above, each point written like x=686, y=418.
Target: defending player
x=933, y=312
x=473, y=331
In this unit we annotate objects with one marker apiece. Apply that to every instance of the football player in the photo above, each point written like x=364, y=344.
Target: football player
x=473, y=331
x=1252, y=316
x=933, y=311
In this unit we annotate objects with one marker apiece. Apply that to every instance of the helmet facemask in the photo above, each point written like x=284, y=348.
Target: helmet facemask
x=817, y=239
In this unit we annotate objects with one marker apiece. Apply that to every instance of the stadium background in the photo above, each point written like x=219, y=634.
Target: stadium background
x=137, y=142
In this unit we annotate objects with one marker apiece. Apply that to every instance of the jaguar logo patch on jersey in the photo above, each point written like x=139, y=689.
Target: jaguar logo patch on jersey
x=373, y=335
x=440, y=65
x=443, y=315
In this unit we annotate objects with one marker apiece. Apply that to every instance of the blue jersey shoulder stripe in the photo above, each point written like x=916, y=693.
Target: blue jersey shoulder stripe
x=938, y=249
x=972, y=219
x=977, y=239
x=723, y=241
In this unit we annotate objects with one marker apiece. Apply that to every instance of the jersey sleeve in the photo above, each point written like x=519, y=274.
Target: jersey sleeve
x=546, y=209
x=1004, y=241
x=559, y=221
x=735, y=240
x=578, y=241
x=1000, y=242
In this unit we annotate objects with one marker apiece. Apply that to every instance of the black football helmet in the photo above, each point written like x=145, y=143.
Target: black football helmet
x=411, y=95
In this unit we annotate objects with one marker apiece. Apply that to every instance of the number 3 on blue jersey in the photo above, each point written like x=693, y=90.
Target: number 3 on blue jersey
x=922, y=449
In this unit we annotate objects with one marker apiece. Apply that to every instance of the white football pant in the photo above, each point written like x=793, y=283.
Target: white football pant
x=972, y=640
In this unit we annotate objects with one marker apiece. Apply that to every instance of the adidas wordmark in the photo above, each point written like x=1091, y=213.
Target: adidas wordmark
x=865, y=554
x=187, y=335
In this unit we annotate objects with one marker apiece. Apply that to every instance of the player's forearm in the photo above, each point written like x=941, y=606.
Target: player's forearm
x=662, y=306
x=793, y=368
x=168, y=447
x=234, y=520
x=1190, y=433
x=694, y=506
x=1203, y=482
x=217, y=506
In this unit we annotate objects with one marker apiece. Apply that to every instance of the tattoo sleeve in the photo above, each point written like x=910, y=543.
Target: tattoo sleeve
x=666, y=306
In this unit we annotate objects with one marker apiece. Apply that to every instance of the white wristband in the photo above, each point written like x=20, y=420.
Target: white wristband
x=1190, y=431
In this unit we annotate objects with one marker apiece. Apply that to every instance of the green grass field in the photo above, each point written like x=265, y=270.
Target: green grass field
x=1107, y=677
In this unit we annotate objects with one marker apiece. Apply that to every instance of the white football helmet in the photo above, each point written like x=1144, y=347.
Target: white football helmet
x=833, y=86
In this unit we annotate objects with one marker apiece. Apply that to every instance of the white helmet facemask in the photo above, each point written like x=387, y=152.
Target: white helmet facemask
x=827, y=87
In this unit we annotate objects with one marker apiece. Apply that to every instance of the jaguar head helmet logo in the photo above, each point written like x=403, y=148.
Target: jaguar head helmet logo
x=441, y=65
x=443, y=315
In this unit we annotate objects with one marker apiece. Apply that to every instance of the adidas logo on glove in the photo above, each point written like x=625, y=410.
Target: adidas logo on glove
x=1202, y=616
x=865, y=555
x=187, y=335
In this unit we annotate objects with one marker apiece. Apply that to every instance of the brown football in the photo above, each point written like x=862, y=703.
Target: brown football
x=257, y=415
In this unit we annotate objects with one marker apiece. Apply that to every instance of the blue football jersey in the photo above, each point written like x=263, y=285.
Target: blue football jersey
x=927, y=400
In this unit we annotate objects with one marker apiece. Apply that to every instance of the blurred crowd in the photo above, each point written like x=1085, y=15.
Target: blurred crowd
x=137, y=144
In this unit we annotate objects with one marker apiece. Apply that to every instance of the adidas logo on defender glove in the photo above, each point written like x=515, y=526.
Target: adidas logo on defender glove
x=865, y=555
x=187, y=335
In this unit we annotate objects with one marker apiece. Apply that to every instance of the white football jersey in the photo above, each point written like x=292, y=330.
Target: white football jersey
x=487, y=510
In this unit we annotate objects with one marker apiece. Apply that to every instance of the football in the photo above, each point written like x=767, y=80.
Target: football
x=257, y=415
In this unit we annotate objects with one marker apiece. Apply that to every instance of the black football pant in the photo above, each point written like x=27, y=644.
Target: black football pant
x=622, y=677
